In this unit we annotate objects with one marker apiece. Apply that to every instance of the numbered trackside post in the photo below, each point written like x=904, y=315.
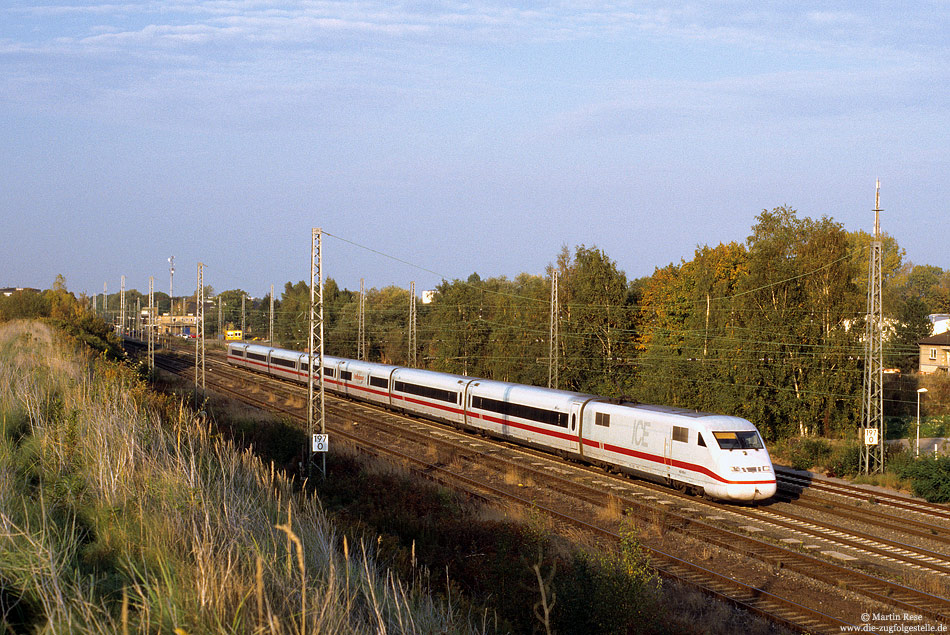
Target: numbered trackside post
x=321, y=442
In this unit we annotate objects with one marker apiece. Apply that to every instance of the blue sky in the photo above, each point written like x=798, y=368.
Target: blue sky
x=458, y=137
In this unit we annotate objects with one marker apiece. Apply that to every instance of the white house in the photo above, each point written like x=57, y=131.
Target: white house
x=940, y=323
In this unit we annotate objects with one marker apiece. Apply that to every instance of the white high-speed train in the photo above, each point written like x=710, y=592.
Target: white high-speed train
x=720, y=456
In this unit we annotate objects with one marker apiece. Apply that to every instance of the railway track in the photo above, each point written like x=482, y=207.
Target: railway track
x=797, y=485
x=685, y=516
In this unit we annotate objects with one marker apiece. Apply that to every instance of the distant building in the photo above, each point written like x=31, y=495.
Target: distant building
x=177, y=325
x=940, y=322
x=935, y=354
x=8, y=291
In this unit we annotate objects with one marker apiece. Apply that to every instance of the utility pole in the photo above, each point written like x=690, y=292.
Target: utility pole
x=219, y=315
x=270, y=332
x=151, y=325
x=105, y=300
x=243, y=328
x=315, y=394
x=553, y=333
x=412, y=325
x=200, y=333
x=872, y=405
x=138, y=318
x=361, y=331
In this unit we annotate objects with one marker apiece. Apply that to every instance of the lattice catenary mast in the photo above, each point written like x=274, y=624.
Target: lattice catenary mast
x=270, y=330
x=200, y=328
x=553, y=334
x=361, y=334
x=171, y=285
x=872, y=405
x=151, y=323
x=315, y=394
x=122, y=307
x=412, y=325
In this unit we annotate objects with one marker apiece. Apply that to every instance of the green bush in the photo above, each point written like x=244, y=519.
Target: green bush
x=896, y=457
x=809, y=452
x=845, y=460
x=930, y=477
x=620, y=589
x=899, y=427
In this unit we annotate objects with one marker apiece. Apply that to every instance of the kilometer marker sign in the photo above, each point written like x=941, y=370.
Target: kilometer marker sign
x=321, y=442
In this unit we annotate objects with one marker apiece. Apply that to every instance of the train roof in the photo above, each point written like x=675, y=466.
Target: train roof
x=670, y=410
x=510, y=387
x=421, y=374
x=710, y=420
x=358, y=365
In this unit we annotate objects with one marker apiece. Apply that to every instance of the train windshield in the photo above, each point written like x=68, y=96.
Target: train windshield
x=747, y=440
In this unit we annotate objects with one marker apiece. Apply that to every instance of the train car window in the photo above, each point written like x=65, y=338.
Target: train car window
x=746, y=440
x=237, y=352
x=305, y=366
x=602, y=419
x=287, y=363
x=346, y=375
x=329, y=372
x=700, y=440
x=257, y=356
x=521, y=411
x=379, y=382
x=426, y=391
x=681, y=434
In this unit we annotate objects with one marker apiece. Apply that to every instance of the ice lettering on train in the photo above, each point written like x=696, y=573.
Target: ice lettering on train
x=641, y=430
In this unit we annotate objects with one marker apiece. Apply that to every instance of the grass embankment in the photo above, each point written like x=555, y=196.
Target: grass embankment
x=119, y=512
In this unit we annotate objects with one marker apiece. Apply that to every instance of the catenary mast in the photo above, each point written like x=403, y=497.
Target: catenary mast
x=872, y=405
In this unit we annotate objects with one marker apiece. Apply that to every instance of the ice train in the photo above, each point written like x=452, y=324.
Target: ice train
x=718, y=456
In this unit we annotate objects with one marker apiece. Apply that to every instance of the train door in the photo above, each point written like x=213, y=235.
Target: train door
x=575, y=426
x=346, y=376
x=466, y=401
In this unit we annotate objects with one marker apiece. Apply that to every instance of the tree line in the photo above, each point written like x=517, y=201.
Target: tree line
x=769, y=329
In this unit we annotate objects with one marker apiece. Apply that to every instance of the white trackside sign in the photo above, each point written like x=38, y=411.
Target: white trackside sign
x=321, y=442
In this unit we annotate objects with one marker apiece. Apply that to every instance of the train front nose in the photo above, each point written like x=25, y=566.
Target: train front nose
x=765, y=490
x=749, y=492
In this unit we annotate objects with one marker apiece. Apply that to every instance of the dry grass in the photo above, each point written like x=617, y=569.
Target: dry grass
x=658, y=523
x=697, y=614
x=516, y=476
x=117, y=515
x=929, y=583
x=886, y=479
x=612, y=510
